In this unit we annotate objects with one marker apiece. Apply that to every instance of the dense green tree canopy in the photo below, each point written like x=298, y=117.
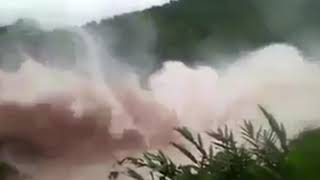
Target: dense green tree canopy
x=182, y=29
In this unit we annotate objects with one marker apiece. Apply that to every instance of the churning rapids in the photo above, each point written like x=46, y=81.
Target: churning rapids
x=54, y=121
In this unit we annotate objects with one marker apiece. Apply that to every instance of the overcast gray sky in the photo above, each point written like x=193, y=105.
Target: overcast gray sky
x=54, y=13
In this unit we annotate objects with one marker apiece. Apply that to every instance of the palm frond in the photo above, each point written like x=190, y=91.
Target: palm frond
x=184, y=151
x=134, y=174
x=277, y=128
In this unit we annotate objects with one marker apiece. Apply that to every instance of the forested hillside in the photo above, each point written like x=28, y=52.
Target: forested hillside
x=25, y=38
x=182, y=29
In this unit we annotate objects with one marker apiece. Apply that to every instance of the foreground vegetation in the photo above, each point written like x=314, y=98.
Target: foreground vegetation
x=267, y=155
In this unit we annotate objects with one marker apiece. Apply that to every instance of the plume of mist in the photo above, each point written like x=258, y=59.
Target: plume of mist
x=277, y=77
x=71, y=124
